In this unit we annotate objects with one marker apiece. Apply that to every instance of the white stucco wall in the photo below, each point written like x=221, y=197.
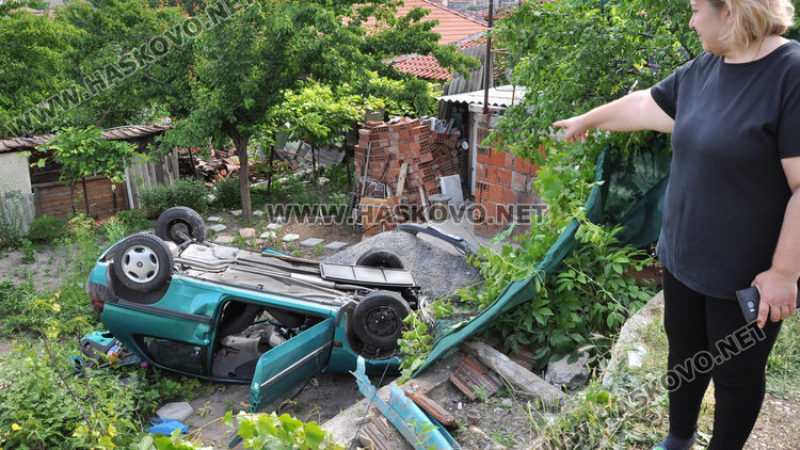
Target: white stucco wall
x=17, y=208
x=14, y=173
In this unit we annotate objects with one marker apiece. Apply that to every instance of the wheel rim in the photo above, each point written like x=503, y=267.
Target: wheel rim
x=140, y=264
x=382, y=321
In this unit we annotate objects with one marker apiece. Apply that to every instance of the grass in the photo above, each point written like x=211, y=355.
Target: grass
x=783, y=366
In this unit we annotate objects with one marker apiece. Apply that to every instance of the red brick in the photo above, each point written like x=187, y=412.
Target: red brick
x=489, y=210
x=534, y=168
x=509, y=196
x=503, y=177
x=482, y=156
x=497, y=159
x=521, y=165
x=495, y=193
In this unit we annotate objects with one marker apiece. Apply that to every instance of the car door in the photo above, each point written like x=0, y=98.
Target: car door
x=285, y=369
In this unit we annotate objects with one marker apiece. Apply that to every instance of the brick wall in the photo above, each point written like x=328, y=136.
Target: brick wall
x=503, y=186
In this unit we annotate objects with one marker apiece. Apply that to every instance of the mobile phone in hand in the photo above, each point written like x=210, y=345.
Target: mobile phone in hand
x=749, y=300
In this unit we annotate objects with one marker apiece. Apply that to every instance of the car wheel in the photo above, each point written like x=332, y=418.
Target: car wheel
x=180, y=224
x=378, y=319
x=380, y=258
x=143, y=262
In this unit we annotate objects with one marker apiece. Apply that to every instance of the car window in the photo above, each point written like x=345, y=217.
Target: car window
x=176, y=355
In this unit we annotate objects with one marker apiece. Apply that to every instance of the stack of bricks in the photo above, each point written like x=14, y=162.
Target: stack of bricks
x=503, y=187
x=430, y=156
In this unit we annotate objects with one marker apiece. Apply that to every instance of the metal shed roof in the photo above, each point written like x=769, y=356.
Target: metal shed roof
x=501, y=96
x=111, y=134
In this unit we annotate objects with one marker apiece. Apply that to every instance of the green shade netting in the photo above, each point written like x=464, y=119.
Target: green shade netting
x=632, y=194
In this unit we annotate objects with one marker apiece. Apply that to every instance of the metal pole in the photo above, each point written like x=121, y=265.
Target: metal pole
x=488, y=75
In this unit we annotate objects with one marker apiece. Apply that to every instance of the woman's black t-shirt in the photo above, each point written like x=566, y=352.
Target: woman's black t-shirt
x=727, y=192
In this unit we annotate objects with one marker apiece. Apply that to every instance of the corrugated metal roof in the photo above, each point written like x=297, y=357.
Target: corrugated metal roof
x=502, y=96
x=111, y=134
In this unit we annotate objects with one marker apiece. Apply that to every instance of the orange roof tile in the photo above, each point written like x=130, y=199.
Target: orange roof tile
x=452, y=26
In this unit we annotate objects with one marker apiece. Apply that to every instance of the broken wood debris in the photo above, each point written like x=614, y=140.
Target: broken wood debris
x=431, y=407
x=375, y=433
x=474, y=379
x=521, y=378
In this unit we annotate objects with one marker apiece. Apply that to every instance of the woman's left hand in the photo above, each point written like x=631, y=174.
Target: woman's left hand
x=778, y=296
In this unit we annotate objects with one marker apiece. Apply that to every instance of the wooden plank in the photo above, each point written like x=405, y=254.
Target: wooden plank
x=401, y=180
x=474, y=379
x=515, y=374
x=431, y=407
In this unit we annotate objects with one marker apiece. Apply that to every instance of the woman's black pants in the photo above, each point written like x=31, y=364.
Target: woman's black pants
x=708, y=339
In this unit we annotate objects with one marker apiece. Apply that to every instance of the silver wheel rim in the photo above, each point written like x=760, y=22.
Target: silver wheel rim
x=140, y=264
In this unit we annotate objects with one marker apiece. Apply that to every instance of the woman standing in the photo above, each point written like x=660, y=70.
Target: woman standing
x=732, y=209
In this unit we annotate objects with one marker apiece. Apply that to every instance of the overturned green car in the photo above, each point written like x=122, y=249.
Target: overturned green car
x=221, y=313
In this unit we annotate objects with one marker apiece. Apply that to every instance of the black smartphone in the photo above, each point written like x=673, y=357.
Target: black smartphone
x=749, y=299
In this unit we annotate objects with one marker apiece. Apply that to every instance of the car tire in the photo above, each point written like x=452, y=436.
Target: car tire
x=378, y=319
x=178, y=223
x=143, y=262
x=381, y=259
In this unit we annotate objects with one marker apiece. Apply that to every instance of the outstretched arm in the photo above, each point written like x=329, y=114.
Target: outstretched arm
x=778, y=285
x=636, y=111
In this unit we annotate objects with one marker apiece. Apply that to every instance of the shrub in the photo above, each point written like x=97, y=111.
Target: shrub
x=115, y=230
x=228, y=193
x=188, y=192
x=46, y=228
x=134, y=219
x=338, y=175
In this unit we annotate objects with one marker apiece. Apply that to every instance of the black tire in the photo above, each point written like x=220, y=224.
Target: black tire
x=378, y=319
x=380, y=258
x=179, y=223
x=143, y=262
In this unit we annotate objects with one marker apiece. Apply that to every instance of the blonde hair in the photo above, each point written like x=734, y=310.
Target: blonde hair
x=755, y=19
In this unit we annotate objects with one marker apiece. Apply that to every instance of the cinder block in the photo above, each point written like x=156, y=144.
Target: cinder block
x=519, y=181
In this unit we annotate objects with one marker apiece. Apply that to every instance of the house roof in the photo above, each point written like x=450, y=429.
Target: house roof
x=426, y=66
x=111, y=134
x=452, y=27
x=501, y=96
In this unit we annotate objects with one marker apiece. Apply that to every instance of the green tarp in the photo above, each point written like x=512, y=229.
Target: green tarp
x=631, y=194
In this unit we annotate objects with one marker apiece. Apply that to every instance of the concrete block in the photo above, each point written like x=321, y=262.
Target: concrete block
x=236, y=212
x=291, y=237
x=268, y=235
x=273, y=227
x=336, y=246
x=218, y=228
x=214, y=219
x=223, y=239
x=247, y=232
x=451, y=186
x=311, y=242
x=179, y=411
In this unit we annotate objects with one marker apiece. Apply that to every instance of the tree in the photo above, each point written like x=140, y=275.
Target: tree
x=575, y=55
x=34, y=55
x=245, y=65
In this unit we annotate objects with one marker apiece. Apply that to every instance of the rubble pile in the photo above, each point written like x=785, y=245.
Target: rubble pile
x=383, y=148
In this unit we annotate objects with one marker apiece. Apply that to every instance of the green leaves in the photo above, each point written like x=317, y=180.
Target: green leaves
x=82, y=153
